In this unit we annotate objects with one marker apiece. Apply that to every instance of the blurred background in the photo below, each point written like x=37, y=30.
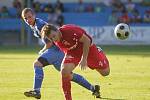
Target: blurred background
x=129, y=59
x=97, y=17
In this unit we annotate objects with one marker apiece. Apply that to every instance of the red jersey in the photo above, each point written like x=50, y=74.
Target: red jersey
x=71, y=45
x=71, y=35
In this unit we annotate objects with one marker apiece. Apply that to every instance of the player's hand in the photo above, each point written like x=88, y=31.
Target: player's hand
x=83, y=64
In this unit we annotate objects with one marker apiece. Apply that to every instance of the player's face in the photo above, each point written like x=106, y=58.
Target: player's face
x=29, y=18
x=54, y=36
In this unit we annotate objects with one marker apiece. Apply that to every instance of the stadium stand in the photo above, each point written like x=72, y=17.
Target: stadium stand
x=70, y=16
x=91, y=14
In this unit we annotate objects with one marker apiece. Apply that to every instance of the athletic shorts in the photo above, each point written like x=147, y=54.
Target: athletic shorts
x=54, y=56
x=96, y=58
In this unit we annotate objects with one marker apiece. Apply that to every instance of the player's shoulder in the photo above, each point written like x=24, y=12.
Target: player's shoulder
x=39, y=20
x=68, y=27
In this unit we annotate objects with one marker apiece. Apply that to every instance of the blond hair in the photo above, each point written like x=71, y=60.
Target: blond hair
x=26, y=10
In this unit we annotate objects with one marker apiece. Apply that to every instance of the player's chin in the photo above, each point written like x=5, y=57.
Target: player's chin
x=30, y=23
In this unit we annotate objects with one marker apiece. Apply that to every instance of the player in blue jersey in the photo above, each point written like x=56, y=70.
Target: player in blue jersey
x=49, y=55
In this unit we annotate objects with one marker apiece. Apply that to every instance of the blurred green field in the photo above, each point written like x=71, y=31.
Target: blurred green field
x=129, y=78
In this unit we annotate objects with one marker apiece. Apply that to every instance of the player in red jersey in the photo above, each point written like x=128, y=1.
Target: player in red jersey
x=79, y=50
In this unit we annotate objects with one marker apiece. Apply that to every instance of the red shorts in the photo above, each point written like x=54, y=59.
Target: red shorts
x=96, y=58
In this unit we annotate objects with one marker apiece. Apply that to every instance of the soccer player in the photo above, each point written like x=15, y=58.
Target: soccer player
x=49, y=55
x=79, y=50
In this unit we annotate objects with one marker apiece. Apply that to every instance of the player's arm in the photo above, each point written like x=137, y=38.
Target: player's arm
x=47, y=45
x=86, y=44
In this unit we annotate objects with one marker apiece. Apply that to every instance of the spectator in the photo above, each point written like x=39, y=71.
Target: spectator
x=59, y=6
x=107, y=2
x=60, y=18
x=130, y=6
x=146, y=2
x=56, y=18
x=124, y=18
x=118, y=5
x=48, y=8
x=80, y=7
x=98, y=8
x=26, y=3
x=136, y=17
x=89, y=8
x=18, y=6
x=113, y=19
x=4, y=12
x=37, y=6
x=147, y=16
x=52, y=18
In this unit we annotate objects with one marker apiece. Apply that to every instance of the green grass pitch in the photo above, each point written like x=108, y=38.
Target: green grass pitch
x=129, y=78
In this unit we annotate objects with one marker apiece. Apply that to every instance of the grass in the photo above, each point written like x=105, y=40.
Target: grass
x=129, y=78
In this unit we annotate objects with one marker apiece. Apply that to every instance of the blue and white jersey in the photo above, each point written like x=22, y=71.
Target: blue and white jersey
x=39, y=23
x=53, y=54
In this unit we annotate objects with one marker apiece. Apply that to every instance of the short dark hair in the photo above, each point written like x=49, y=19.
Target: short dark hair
x=26, y=10
x=46, y=29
